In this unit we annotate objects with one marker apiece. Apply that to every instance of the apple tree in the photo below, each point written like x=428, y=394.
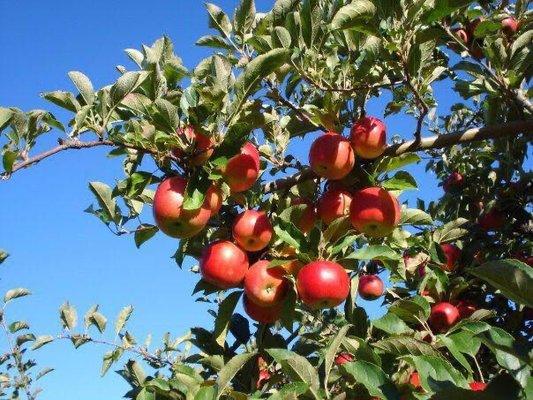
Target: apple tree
x=208, y=161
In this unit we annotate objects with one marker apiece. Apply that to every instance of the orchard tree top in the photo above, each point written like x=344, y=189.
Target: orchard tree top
x=297, y=238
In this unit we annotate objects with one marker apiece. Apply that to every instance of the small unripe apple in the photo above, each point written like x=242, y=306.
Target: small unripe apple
x=374, y=212
x=322, y=284
x=369, y=137
x=455, y=180
x=466, y=308
x=242, y=170
x=370, y=287
x=223, y=264
x=443, y=316
x=333, y=204
x=252, y=230
x=169, y=214
x=266, y=286
x=202, y=146
x=307, y=218
x=331, y=156
x=343, y=358
x=477, y=386
x=451, y=254
x=492, y=220
x=509, y=26
x=264, y=315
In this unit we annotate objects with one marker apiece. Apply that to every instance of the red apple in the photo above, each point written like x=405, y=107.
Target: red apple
x=491, y=220
x=509, y=26
x=414, y=380
x=368, y=136
x=264, y=315
x=466, y=308
x=477, y=386
x=322, y=284
x=343, y=358
x=524, y=257
x=213, y=199
x=476, y=49
x=169, y=214
x=374, y=212
x=370, y=287
x=201, y=145
x=443, y=316
x=264, y=376
x=331, y=156
x=242, y=170
x=461, y=34
x=223, y=264
x=453, y=181
x=333, y=204
x=451, y=254
x=252, y=230
x=266, y=286
x=307, y=218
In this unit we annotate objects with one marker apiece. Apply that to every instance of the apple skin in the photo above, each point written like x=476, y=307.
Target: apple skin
x=451, y=254
x=333, y=204
x=264, y=315
x=265, y=286
x=374, y=212
x=213, y=199
x=509, y=26
x=202, y=145
x=491, y=221
x=331, y=156
x=252, y=230
x=443, y=316
x=370, y=287
x=169, y=214
x=322, y=284
x=455, y=180
x=223, y=264
x=466, y=308
x=343, y=358
x=477, y=386
x=368, y=136
x=414, y=380
x=242, y=170
x=307, y=219
x=462, y=35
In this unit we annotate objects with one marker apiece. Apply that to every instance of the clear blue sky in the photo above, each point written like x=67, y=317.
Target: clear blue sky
x=57, y=250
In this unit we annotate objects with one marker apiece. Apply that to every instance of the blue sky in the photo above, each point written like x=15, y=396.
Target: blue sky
x=57, y=250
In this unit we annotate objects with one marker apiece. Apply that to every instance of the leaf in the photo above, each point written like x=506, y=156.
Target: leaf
x=167, y=115
x=16, y=293
x=411, y=310
x=331, y=351
x=388, y=163
x=291, y=235
x=509, y=353
x=290, y=391
x=354, y=14
x=122, y=318
x=244, y=16
x=5, y=117
x=435, y=370
x=402, y=180
x=455, y=352
x=512, y=277
x=3, y=256
x=62, y=99
x=43, y=372
x=99, y=320
x=109, y=358
x=84, y=85
x=281, y=9
x=143, y=233
x=282, y=36
x=126, y=84
x=104, y=197
x=374, y=252
x=18, y=326
x=205, y=393
x=297, y=367
x=392, y=324
x=403, y=345
x=372, y=377
x=414, y=216
x=361, y=350
x=41, y=341
x=8, y=160
x=450, y=231
x=68, y=316
x=218, y=19
x=229, y=370
x=213, y=41
x=225, y=311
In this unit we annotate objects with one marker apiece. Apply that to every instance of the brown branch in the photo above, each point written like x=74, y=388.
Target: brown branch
x=285, y=183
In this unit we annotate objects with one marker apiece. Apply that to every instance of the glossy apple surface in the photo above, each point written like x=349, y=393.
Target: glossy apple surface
x=224, y=264
x=307, y=219
x=242, y=170
x=370, y=287
x=333, y=204
x=252, y=230
x=200, y=145
x=374, y=212
x=331, y=156
x=369, y=137
x=266, y=286
x=451, y=255
x=443, y=316
x=264, y=315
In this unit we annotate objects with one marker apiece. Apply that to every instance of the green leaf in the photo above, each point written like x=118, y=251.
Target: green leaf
x=43, y=372
x=404, y=345
x=16, y=293
x=332, y=350
x=485, y=28
x=41, y=341
x=218, y=19
x=374, y=252
x=225, y=311
x=434, y=370
x=297, y=367
x=137, y=102
x=389, y=163
x=109, y=358
x=167, y=115
x=411, y=310
x=372, y=378
x=213, y=41
x=229, y=370
x=205, y=393
x=143, y=233
x=392, y=324
x=282, y=37
x=62, y=99
x=244, y=16
x=512, y=277
x=402, y=180
x=3, y=256
x=361, y=350
x=291, y=235
x=126, y=84
x=509, y=353
x=84, y=86
x=103, y=194
x=353, y=15
x=9, y=159
x=97, y=319
x=455, y=352
x=290, y=391
x=450, y=231
x=68, y=316
x=18, y=326
x=122, y=318
x=5, y=117
x=414, y=216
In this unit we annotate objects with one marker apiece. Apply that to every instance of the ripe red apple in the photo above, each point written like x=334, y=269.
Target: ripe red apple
x=374, y=212
x=451, y=254
x=476, y=49
x=466, y=308
x=169, y=214
x=477, y=386
x=461, y=34
x=491, y=220
x=252, y=230
x=370, y=287
x=443, y=316
x=264, y=376
x=266, y=286
x=264, y=315
x=343, y=358
x=201, y=145
x=333, y=204
x=524, y=257
x=509, y=26
x=213, y=199
x=368, y=136
x=414, y=380
x=307, y=218
x=331, y=156
x=223, y=264
x=242, y=170
x=322, y=284
x=455, y=180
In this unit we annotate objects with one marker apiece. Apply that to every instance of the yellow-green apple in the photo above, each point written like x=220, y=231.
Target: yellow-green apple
x=265, y=286
x=322, y=284
x=201, y=146
x=374, y=212
x=369, y=137
x=242, y=170
x=307, y=219
x=509, y=26
x=370, y=287
x=264, y=315
x=223, y=264
x=443, y=316
x=452, y=253
x=333, y=204
x=252, y=230
x=331, y=156
x=169, y=214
